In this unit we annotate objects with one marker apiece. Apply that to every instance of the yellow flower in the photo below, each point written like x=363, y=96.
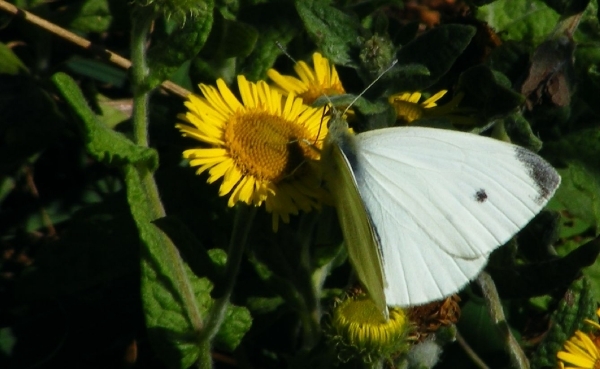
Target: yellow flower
x=360, y=329
x=313, y=83
x=260, y=147
x=407, y=104
x=581, y=351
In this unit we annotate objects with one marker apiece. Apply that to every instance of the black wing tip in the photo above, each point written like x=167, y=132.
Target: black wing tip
x=544, y=175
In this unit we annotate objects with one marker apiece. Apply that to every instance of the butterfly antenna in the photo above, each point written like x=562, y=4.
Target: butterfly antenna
x=283, y=50
x=369, y=86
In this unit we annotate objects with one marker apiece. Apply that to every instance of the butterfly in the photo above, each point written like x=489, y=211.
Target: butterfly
x=421, y=209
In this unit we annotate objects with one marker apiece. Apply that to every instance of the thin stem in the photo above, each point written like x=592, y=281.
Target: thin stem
x=242, y=225
x=139, y=71
x=470, y=352
x=83, y=43
x=494, y=305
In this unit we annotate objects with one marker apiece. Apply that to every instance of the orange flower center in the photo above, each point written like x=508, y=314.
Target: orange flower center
x=267, y=147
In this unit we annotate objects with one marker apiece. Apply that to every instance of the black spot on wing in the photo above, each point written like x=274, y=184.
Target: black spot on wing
x=481, y=195
x=544, y=176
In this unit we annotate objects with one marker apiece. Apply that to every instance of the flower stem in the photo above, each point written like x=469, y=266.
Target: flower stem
x=139, y=71
x=492, y=300
x=242, y=225
x=311, y=291
x=141, y=22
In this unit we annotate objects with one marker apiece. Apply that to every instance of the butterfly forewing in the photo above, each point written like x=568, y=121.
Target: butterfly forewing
x=359, y=237
x=440, y=201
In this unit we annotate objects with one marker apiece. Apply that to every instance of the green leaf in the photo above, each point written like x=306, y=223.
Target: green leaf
x=273, y=32
x=97, y=70
x=587, y=59
x=86, y=16
x=236, y=323
x=520, y=133
x=7, y=341
x=334, y=31
x=436, y=50
x=105, y=145
x=579, y=193
x=578, y=304
x=519, y=20
x=582, y=145
x=113, y=112
x=191, y=249
x=231, y=38
x=477, y=328
x=9, y=62
x=174, y=299
x=488, y=92
x=168, y=54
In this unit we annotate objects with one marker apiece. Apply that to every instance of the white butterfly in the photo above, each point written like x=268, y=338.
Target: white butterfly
x=421, y=209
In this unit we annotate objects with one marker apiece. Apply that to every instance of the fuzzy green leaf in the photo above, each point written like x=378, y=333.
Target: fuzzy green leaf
x=104, y=144
x=168, y=54
x=86, y=16
x=334, y=31
x=579, y=193
x=273, y=32
x=192, y=250
x=519, y=20
x=582, y=146
x=520, y=133
x=174, y=298
x=436, y=50
x=236, y=323
x=236, y=39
